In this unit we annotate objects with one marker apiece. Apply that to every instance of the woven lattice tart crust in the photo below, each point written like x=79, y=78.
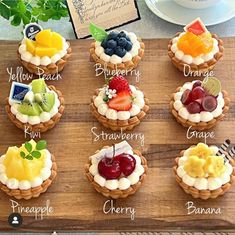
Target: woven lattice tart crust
x=41, y=127
x=117, y=125
x=204, y=194
x=117, y=193
x=200, y=126
x=52, y=68
x=33, y=192
x=125, y=66
x=206, y=66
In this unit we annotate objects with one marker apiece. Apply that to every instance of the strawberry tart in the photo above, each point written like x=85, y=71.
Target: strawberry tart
x=195, y=50
x=116, y=171
x=116, y=50
x=118, y=105
x=204, y=172
x=200, y=105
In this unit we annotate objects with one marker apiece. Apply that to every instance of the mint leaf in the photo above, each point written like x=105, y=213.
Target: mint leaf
x=36, y=154
x=42, y=144
x=28, y=146
x=97, y=33
x=29, y=157
x=5, y=12
x=22, y=154
x=16, y=20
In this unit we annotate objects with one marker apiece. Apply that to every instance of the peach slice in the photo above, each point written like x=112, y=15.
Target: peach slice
x=43, y=38
x=57, y=41
x=45, y=51
x=30, y=45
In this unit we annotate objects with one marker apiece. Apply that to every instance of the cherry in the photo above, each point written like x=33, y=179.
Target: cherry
x=197, y=83
x=194, y=107
x=186, y=97
x=109, y=169
x=209, y=103
x=127, y=163
x=198, y=93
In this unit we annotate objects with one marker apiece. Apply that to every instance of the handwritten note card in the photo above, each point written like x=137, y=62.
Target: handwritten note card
x=105, y=13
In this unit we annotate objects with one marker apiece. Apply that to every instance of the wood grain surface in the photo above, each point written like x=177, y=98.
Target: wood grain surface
x=160, y=203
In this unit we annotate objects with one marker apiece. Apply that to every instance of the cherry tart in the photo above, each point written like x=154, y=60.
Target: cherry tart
x=118, y=176
x=200, y=105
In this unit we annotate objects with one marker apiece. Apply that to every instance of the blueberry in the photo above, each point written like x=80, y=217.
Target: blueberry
x=111, y=44
x=128, y=46
x=120, y=51
x=109, y=51
x=104, y=43
x=112, y=35
x=122, y=42
x=122, y=34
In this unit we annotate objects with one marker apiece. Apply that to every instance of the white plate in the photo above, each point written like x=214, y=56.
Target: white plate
x=172, y=12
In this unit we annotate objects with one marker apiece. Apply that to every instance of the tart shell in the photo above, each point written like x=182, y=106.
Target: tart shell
x=33, y=192
x=52, y=68
x=200, y=126
x=127, y=66
x=204, y=194
x=43, y=126
x=117, y=125
x=117, y=193
x=204, y=67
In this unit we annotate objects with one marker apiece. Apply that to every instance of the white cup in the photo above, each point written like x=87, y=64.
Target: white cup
x=197, y=4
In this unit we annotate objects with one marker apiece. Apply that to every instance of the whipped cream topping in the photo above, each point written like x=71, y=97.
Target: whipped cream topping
x=188, y=58
x=114, y=59
x=203, y=183
x=198, y=117
x=124, y=182
x=33, y=120
x=137, y=105
x=13, y=183
x=45, y=60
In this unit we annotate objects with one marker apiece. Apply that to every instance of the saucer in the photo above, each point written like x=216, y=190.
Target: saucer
x=172, y=12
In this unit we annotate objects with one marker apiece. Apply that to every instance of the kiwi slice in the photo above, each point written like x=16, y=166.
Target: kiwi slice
x=30, y=109
x=38, y=86
x=48, y=101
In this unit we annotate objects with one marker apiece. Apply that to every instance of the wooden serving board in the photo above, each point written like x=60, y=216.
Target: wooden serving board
x=160, y=203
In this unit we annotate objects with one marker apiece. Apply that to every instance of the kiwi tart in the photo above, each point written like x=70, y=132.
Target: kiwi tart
x=40, y=109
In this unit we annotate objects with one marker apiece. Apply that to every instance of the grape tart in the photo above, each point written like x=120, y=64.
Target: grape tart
x=198, y=106
x=118, y=105
x=117, y=50
x=195, y=50
x=116, y=173
x=40, y=110
x=203, y=173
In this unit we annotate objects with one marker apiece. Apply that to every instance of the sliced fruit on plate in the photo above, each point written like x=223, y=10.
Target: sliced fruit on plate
x=30, y=109
x=196, y=27
x=38, y=86
x=121, y=102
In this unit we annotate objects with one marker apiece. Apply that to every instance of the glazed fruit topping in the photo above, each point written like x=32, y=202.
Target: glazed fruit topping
x=121, y=102
x=198, y=99
x=119, y=83
x=117, y=43
x=112, y=168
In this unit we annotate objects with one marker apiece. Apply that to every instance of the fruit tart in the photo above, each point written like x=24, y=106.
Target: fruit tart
x=204, y=173
x=116, y=50
x=116, y=171
x=118, y=105
x=195, y=50
x=28, y=171
x=38, y=108
x=200, y=104
x=47, y=54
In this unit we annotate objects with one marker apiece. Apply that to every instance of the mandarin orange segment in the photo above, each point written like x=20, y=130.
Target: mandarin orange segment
x=194, y=45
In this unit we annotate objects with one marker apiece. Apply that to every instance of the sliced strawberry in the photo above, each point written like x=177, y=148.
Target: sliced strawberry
x=121, y=102
x=119, y=83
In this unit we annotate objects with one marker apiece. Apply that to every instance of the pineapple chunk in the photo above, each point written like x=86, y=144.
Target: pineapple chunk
x=44, y=51
x=30, y=46
x=57, y=41
x=43, y=38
